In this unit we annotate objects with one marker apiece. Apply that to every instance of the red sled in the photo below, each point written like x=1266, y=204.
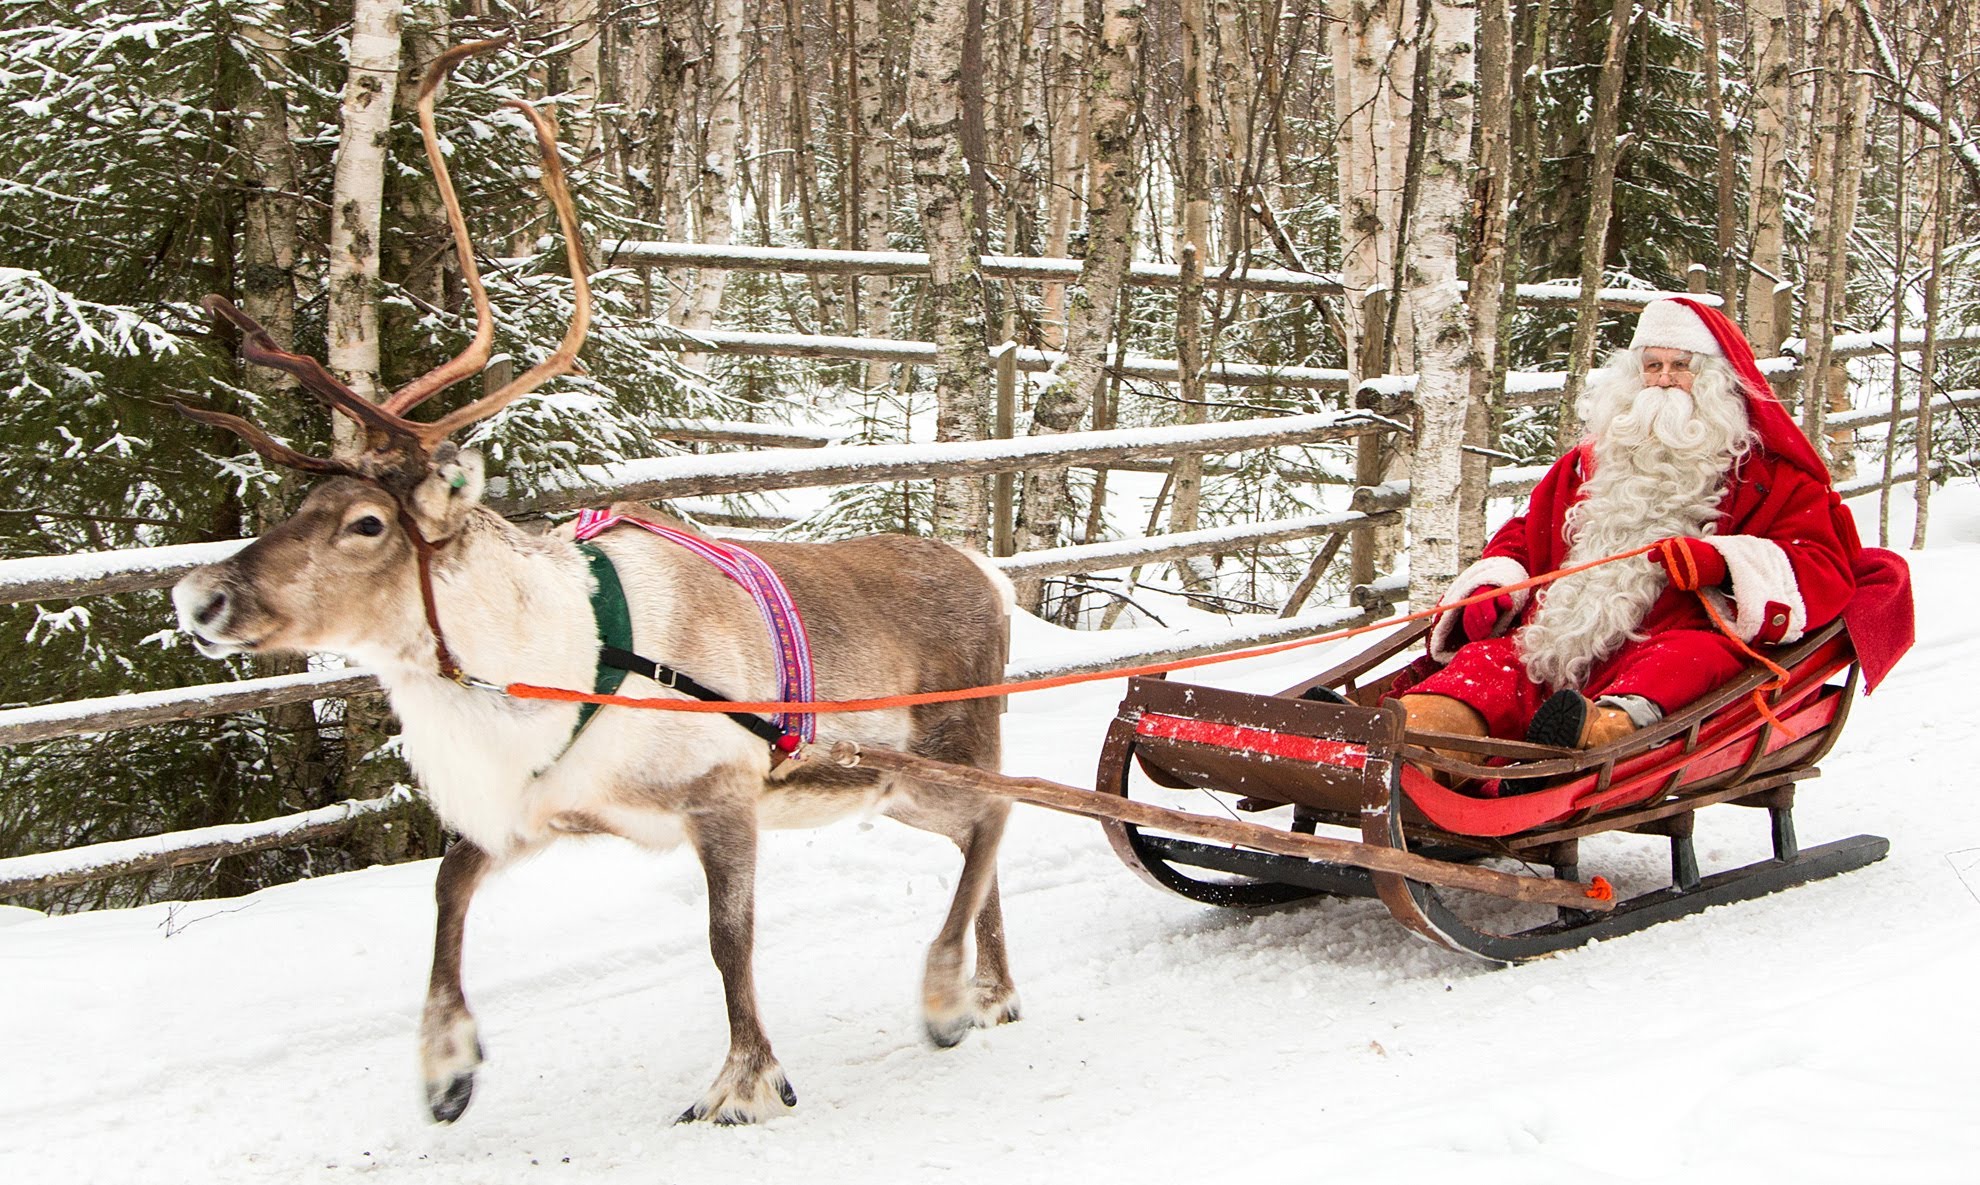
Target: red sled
x=1355, y=765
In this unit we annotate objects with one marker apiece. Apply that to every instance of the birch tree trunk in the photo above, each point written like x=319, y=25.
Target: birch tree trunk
x=1928, y=378
x=1594, y=252
x=356, y=203
x=955, y=279
x=1767, y=63
x=1444, y=341
x=415, y=251
x=804, y=155
x=1834, y=130
x=1115, y=97
x=266, y=289
x=1374, y=68
x=714, y=192
x=1726, y=266
x=1066, y=138
x=575, y=22
x=1193, y=250
x=871, y=172
x=1491, y=187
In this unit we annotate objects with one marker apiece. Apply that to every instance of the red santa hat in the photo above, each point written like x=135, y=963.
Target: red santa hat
x=1685, y=324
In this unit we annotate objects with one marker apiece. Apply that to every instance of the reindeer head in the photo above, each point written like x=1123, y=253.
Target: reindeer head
x=354, y=559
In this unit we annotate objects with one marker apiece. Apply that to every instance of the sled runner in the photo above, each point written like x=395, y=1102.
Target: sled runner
x=1354, y=765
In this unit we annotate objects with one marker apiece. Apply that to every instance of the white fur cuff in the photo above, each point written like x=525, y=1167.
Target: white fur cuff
x=1493, y=571
x=1761, y=574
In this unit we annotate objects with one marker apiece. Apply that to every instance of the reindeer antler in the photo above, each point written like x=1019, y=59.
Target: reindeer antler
x=396, y=444
x=565, y=359
x=469, y=361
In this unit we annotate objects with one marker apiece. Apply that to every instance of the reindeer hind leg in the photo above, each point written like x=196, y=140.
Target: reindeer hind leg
x=953, y=1001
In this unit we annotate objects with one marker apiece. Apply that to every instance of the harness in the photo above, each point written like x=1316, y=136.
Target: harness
x=785, y=733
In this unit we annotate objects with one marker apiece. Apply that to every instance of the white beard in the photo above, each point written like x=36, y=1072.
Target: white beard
x=1660, y=463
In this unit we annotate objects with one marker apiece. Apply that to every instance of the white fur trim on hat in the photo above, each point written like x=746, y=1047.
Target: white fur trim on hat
x=1671, y=325
x=1760, y=574
x=1491, y=572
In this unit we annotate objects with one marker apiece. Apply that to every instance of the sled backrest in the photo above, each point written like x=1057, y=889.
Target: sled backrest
x=1265, y=747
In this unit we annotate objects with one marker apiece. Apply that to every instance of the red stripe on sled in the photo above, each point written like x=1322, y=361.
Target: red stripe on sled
x=1252, y=740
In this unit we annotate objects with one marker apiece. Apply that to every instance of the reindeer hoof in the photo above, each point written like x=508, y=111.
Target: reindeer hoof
x=450, y=1053
x=449, y=1100
x=988, y=1005
x=741, y=1097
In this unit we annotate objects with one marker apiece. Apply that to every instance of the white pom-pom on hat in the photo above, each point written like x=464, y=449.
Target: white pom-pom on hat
x=1671, y=325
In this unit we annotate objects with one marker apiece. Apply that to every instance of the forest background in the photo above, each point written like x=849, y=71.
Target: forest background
x=1807, y=161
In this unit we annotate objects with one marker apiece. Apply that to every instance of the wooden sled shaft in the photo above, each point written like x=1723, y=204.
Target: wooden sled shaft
x=1072, y=800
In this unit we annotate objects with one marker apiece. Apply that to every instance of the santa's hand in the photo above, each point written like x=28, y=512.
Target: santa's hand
x=1691, y=563
x=1481, y=618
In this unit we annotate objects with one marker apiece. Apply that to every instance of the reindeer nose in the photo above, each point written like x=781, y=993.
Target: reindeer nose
x=213, y=609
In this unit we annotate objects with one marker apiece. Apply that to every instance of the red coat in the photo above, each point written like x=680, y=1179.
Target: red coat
x=1790, y=549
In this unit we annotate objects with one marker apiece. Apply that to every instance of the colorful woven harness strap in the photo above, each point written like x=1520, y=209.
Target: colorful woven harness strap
x=773, y=601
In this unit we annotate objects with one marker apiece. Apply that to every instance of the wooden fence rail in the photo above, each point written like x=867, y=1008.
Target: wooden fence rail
x=804, y=261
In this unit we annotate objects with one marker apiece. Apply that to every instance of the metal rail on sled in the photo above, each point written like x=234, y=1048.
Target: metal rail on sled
x=1355, y=765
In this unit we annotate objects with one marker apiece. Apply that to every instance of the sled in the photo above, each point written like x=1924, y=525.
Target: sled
x=1355, y=765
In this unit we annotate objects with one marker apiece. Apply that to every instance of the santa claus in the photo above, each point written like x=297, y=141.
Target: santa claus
x=1687, y=444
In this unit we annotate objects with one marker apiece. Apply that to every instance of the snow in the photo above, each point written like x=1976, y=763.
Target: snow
x=1820, y=1035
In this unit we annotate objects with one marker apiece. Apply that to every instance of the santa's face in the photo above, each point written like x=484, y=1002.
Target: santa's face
x=1666, y=367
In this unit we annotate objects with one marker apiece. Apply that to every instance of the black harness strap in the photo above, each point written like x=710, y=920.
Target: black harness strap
x=616, y=657
x=673, y=680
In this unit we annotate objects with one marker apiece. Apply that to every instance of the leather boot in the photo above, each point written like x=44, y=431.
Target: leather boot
x=1441, y=713
x=1569, y=721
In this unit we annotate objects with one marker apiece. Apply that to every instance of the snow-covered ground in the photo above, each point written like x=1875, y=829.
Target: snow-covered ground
x=1826, y=1034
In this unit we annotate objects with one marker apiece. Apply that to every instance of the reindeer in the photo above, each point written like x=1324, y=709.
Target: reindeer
x=395, y=563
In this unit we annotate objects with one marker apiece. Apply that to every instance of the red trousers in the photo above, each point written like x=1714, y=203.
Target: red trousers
x=1670, y=669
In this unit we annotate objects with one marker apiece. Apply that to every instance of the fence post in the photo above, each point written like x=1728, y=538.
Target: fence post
x=1368, y=449
x=1695, y=277
x=1003, y=488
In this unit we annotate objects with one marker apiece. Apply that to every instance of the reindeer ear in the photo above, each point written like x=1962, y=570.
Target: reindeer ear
x=441, y=502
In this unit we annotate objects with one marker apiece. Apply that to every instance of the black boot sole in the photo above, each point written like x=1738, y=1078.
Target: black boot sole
x=1558, y=723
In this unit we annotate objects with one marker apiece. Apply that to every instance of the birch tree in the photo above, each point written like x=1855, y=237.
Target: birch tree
x=1192, y=249
x=357, y=199
x=1374, y=60
x=872, y=174
x=955, y=279
x=1115, y=105
x=1066, y=115
x=1767, y=64
x=714, y=188
x=1443, y=333
x=1594, y=251
x=1491, y=210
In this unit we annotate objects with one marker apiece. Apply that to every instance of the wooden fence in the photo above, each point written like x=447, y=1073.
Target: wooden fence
x=792, y=458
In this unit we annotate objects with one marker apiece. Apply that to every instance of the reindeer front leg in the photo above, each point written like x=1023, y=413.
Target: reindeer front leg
x=751, y=1083
x=449, y=1050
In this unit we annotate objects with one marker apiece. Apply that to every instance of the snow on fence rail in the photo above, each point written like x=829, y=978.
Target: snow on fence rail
x=735, y=473
x=154, y=853
x=806, y=261
x=97, y=573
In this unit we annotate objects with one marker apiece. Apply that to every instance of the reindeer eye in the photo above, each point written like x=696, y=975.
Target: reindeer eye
x=369, y=526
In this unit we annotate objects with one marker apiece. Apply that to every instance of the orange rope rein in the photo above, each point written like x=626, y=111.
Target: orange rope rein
x=565, y=695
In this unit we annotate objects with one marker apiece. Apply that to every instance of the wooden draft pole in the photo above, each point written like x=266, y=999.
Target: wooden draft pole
x=1095, y=805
